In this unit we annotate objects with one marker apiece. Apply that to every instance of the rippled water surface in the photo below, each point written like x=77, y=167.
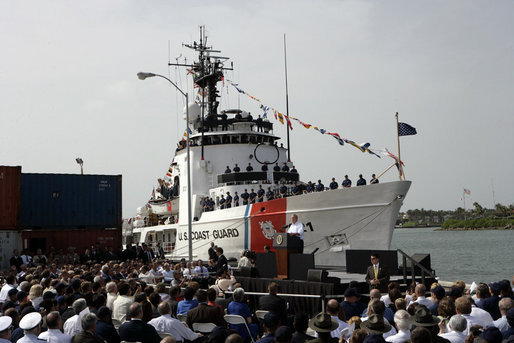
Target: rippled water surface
x=462, y=255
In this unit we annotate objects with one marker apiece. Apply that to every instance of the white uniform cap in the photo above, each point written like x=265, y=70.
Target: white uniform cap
x=5, y=322
x=30, y=321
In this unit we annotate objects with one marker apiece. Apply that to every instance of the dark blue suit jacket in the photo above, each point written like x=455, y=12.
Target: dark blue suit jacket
x=107, y=332
x=139, y=331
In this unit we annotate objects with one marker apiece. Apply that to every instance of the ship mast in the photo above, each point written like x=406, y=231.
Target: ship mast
x=207, y=72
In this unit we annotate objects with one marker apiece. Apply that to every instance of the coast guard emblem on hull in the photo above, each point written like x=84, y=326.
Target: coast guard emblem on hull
x=267, y=229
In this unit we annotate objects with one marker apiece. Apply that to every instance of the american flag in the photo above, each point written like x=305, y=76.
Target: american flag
x=406, y=130
x=467, y=191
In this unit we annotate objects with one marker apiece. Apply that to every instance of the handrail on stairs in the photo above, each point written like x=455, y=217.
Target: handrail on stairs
x=414, y=264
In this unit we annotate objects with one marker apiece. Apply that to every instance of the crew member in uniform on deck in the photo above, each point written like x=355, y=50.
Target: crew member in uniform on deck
x=260, y=194
x=269, y=194
x=333, y=185
x=264, y=167
x=377, y=275
x=228, y=171
x=320, y=187
x=236, y=199
x=249, y=168
x=347, y=183
x=373, y=179
x=283, y=191
x=361, y=181
x=276, y=168
x=253, y=196
x=285, y=167
x=245, y=197
x=296, y=229
x=236, y=169
x=228, y=201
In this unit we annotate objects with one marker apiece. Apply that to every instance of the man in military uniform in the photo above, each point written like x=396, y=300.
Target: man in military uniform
x=245, y=197
x=361, y=181
x=333, y=185
x=31, y=326
x=222, y=202
x=296, y=189
x=228, y=171
x=270, y=195
x=373, y=179
x=347, y=183
x=236, y=169
x=285, y=167
x=260, y=194
x=283, y=191
x=264, y=167
x=320, y=187
x=228, y=201
x=253, y=196
x=276, y=168
x=249, y=167
x=236, y=199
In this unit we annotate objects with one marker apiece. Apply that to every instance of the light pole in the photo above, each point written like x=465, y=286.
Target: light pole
x=143, y=76
x=80, y=163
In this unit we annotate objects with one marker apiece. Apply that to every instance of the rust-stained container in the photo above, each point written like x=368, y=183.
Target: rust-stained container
x=80, y=239
x=10, y=190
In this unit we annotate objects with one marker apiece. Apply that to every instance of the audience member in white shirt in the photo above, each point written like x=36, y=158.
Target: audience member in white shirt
x=403, y=324
x=457, y=325
x=420, y=296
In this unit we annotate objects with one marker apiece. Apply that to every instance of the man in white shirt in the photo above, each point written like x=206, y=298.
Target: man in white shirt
x=73, y=326
x=403, y=324
x=189, y=272
x=121, y=305
x=463, y=307
x=505, y=305
x=167, y=273
x=333, y=310
x=420, y=296
x=9, y=284
x=54, y=334
x=457, y=325
x=165, y=323
x=296, y=229
x=201, y=271
x=112, y=294
x=480, y=314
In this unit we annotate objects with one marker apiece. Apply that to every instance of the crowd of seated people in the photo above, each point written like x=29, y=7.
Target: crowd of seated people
x=135, y=296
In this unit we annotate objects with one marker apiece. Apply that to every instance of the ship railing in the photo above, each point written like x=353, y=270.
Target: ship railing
x=425, y=272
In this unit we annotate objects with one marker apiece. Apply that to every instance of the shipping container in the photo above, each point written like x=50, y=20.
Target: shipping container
x=70, y=201
x=10, y=184
x=9, y=241
x=79, y=239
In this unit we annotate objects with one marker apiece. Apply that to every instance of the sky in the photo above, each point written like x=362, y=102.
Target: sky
x=68, y=87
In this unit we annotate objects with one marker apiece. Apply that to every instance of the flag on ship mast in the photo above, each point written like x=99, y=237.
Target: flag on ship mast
x=405, y=129
x=467, y=191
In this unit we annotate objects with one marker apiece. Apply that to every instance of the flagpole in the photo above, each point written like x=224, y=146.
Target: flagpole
x=400, y=169
x=464, y=201
x=287, y=102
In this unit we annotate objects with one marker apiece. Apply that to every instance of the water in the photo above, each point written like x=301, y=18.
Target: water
x=462, y=255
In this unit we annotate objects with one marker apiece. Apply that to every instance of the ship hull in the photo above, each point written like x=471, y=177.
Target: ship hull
x=350, y=218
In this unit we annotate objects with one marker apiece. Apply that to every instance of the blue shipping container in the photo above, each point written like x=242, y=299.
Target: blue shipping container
x=53, y=201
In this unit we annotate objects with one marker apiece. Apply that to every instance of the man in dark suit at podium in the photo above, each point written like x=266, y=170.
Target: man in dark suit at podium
x=377, y=275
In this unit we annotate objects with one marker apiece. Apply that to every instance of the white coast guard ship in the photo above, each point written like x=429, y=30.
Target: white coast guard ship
x=346, y=218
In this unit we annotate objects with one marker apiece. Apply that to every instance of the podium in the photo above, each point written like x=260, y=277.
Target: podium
x=285, y=245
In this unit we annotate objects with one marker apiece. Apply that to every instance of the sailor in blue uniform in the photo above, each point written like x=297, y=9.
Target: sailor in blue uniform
x=333, y=184
x=222, y=202
x=285, y=167
x=361, y=181
x=309, y=188
x=320, y=187
x=296, y=189
x=283, y=191
x=228, y=171
x=276, y=167
x=294, y=170
x=249, y=168
x=264, y=167
x=245, y=197
x=237, y=169
x=253, y=195
x=269, y=194
x=236, y=199
x=228, y=201
x=347, y=183
x=260, y=194
x=373, y=179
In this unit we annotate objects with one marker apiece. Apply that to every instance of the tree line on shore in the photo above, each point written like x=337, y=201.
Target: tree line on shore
x=500, y=216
